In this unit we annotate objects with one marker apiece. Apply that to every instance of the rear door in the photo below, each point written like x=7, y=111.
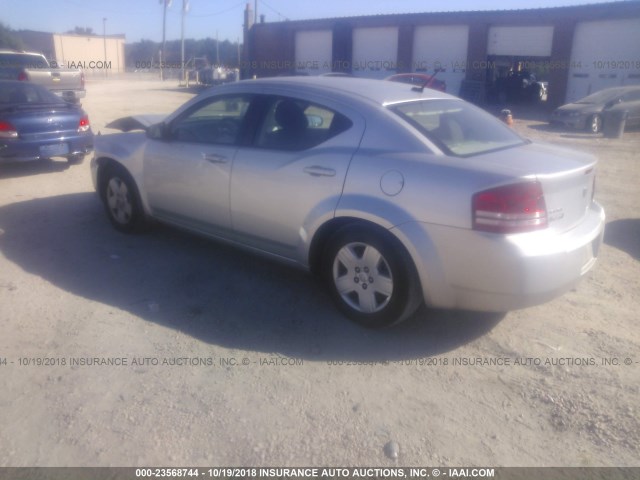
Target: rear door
x=293, y=173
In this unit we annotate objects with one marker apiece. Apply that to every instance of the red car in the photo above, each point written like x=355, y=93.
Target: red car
x=419, y=80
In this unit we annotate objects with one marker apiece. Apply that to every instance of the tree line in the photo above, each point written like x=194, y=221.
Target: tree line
x=223, y=53
x=9, y=40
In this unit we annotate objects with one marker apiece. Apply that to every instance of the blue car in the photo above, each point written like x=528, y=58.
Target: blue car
x=36, y=124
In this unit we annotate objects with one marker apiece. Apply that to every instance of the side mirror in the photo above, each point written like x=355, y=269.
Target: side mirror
x=157, y=131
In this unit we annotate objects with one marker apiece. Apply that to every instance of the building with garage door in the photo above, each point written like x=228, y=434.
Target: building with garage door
x=573, y=51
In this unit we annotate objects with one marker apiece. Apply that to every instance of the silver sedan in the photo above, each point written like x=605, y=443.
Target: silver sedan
x=395, y=195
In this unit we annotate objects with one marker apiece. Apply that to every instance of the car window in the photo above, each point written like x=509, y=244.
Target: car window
x=602, y=96
x=215, y=121
x=22, y=60
x=293, y=124
x=631, y=96
x=457, y=127
x=26, y=93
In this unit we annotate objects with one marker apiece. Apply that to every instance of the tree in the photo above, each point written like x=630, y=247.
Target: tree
x=146, y=52
x=8, y=39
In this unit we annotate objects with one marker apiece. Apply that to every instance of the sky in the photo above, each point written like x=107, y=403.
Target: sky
x=142, y=19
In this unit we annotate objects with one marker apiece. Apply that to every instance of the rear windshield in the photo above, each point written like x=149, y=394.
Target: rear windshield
x=23, y=93
x=22, y=60
x=457, y=127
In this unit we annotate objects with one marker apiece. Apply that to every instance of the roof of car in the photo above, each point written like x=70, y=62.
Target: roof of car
x=382, y=92
x=18, y=52
x=620, y=89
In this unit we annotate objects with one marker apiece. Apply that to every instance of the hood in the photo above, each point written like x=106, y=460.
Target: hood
x=135, y=122
x=580, y=108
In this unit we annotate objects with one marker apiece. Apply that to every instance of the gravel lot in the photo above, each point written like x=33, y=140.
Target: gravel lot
x=230, y=360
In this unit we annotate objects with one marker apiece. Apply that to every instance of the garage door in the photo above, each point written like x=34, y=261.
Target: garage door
x=314, y=51
x=605, y=54
x=443, y=47
x=375, y=52
x=520, y=41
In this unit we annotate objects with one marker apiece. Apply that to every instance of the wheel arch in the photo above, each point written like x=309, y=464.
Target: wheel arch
x=329, y=228
x=104, y=165
x=417, y=246
x=324, y=238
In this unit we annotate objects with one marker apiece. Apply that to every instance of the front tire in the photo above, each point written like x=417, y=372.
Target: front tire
x=121, y=200
x=369, y=278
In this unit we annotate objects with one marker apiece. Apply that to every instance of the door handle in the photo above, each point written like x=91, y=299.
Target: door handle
x=214, y=158
x=318, y=171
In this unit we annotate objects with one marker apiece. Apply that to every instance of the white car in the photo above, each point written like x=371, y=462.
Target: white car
x=396, y=195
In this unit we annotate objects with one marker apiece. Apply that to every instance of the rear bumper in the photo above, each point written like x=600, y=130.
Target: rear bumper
x=471, y=270
x=19, y=150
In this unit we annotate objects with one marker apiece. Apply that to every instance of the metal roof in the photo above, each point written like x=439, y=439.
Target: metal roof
x=569, y=11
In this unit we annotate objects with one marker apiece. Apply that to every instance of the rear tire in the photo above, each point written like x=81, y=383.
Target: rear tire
x=370, y=278
x=121, y=200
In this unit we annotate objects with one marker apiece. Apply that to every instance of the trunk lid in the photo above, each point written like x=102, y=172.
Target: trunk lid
x=567, y=178
x=40, y=123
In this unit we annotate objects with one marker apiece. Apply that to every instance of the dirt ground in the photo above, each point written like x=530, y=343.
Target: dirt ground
x=219, y=358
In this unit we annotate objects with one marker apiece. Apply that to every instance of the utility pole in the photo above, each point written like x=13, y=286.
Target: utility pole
x=217, y=51
x=185, y=8
x=165, y=4
x=249, y=20
x=104, y=41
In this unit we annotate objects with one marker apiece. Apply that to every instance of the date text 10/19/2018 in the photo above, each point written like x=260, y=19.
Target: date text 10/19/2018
x=87, y=361
x=314, y=472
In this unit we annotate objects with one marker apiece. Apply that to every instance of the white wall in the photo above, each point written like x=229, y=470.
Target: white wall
x=88, y=53
x=442, y=47
x=375, y=52
x=520, y=41
x=604, y=54
x=314, y=51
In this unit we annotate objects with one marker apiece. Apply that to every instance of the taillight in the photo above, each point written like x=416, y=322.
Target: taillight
x=513, y=208
x=83, y=126
x=22, y=76
x=7, y=130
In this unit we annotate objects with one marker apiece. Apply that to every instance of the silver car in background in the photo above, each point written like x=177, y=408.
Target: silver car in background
x=395, y=195
x=590, y=112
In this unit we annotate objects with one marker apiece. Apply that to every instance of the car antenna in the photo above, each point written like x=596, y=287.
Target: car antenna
x=421, y=88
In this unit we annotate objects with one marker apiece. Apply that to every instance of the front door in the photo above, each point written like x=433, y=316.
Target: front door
x=187, y=173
